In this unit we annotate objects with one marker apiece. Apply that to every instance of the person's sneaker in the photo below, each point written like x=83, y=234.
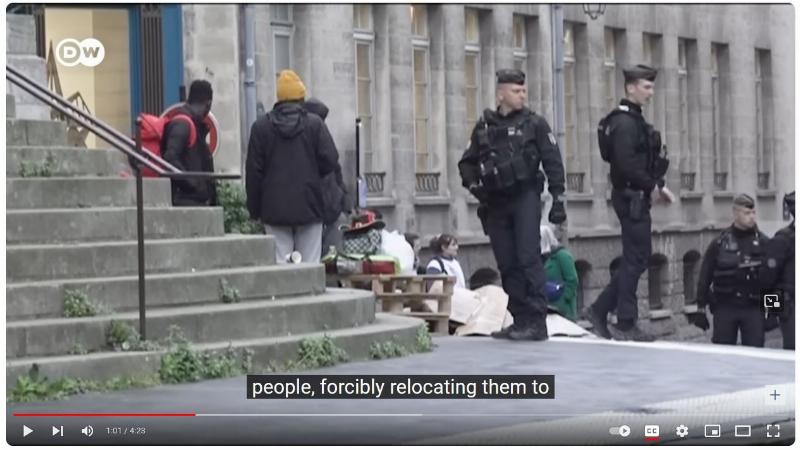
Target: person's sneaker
x=504, y=333
x=599, y=324
x=632, y=334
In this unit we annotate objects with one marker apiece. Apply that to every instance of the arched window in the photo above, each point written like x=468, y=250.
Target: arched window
x=691, y=270
x=584, y=270
x=655, y=276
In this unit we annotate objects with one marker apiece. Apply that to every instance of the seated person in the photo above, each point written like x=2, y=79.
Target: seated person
x=445, y=248
x=484, y=277
x=559, y=267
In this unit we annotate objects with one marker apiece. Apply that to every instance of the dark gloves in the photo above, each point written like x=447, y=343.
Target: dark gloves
x=557, y=213
x=699, y=320
x=483, y=213
x=479, y=192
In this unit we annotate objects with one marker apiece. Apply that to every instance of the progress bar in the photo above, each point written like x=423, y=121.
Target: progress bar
x=104, y=414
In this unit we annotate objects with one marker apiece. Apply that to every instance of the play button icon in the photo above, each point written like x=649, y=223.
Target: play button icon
x=26, y=431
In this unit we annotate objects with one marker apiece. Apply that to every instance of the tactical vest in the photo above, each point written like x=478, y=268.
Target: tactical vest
x=735, y=276
x=508, y=157
x=649, y=140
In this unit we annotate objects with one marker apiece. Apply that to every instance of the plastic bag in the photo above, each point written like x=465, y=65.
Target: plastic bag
x=395, y=244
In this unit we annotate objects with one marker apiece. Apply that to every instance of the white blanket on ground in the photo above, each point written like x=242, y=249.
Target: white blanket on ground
x=484, y=311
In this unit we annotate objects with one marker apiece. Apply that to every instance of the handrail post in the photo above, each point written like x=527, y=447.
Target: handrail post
x=140, y=230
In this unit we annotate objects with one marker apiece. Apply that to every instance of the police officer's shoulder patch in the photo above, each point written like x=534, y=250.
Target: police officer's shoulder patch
x=552, y=138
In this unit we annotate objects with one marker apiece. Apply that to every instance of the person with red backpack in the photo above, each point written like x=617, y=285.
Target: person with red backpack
x=184, y=146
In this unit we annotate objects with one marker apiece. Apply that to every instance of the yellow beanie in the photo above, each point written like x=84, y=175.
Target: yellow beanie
x=290, y=86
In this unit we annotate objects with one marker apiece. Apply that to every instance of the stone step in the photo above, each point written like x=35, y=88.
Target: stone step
x=10, y=107
x=35, y=132
x=28, y=106
x=65, y=161
x=200, y=324
x=110, y=259
x=84, y=192
x=109, y=223
x=39, y=299
x=103, y=366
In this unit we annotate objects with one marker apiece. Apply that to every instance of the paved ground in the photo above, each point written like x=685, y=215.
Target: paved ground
x=599, y=384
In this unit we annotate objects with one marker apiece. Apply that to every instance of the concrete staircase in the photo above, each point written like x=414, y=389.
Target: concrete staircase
x=76, y=230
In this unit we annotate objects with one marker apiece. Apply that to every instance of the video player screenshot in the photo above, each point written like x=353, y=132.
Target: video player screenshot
x=386, y=224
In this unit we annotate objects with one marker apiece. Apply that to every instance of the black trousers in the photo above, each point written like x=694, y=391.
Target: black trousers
x=513, y=229
x=636, y=250
x=730, y=319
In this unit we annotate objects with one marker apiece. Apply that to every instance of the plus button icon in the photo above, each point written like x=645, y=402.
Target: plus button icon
x=774, y=394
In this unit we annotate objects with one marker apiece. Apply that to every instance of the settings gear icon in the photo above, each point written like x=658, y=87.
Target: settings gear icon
x=682, y=431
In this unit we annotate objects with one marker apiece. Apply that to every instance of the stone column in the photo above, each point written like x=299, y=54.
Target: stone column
x=502, y=31
x=782, y=50
x=455, y=107
x=211, y=52
x=402, y=113
x=744, y=160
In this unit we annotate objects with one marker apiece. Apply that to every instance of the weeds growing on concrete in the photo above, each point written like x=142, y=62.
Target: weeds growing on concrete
x=228, y=293
x=34, y=387
x=233, y=200
x=317, y=352
x=121, y=336
x=181, y=363
x=388, y=349
x=30, y=169
x=77, y=304
x=424, y=339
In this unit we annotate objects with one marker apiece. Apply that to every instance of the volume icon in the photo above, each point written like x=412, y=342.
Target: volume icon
x=87, y=430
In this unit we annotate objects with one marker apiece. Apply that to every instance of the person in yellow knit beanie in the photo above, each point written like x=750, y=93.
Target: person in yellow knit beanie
x=290, y=87
x=289, y=154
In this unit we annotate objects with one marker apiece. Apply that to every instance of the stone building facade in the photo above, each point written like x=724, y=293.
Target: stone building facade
x=418, y=77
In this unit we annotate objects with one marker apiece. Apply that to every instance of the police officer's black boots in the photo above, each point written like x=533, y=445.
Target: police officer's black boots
x=599, y=322
x=534, y=330
x=631, y=332
x=503, y=334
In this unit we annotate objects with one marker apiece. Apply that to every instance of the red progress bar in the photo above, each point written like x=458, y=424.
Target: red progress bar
x=105, y=414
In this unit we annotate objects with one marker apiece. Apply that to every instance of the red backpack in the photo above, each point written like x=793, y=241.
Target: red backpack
x=153, y=134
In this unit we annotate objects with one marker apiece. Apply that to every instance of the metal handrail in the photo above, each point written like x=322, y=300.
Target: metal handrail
x=132, y=148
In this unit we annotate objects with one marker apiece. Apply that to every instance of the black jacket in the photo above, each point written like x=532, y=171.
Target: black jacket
x=198, y=158
x=288, y=154
x=631, y=158
x=779, y=270
x=745, y=241
x=538, y=134
x=334, y=193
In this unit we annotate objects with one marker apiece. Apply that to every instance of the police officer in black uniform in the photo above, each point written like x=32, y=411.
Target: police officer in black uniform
x=633, y=148
x=729, y=280
x=778, y=272
x=501, y=169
